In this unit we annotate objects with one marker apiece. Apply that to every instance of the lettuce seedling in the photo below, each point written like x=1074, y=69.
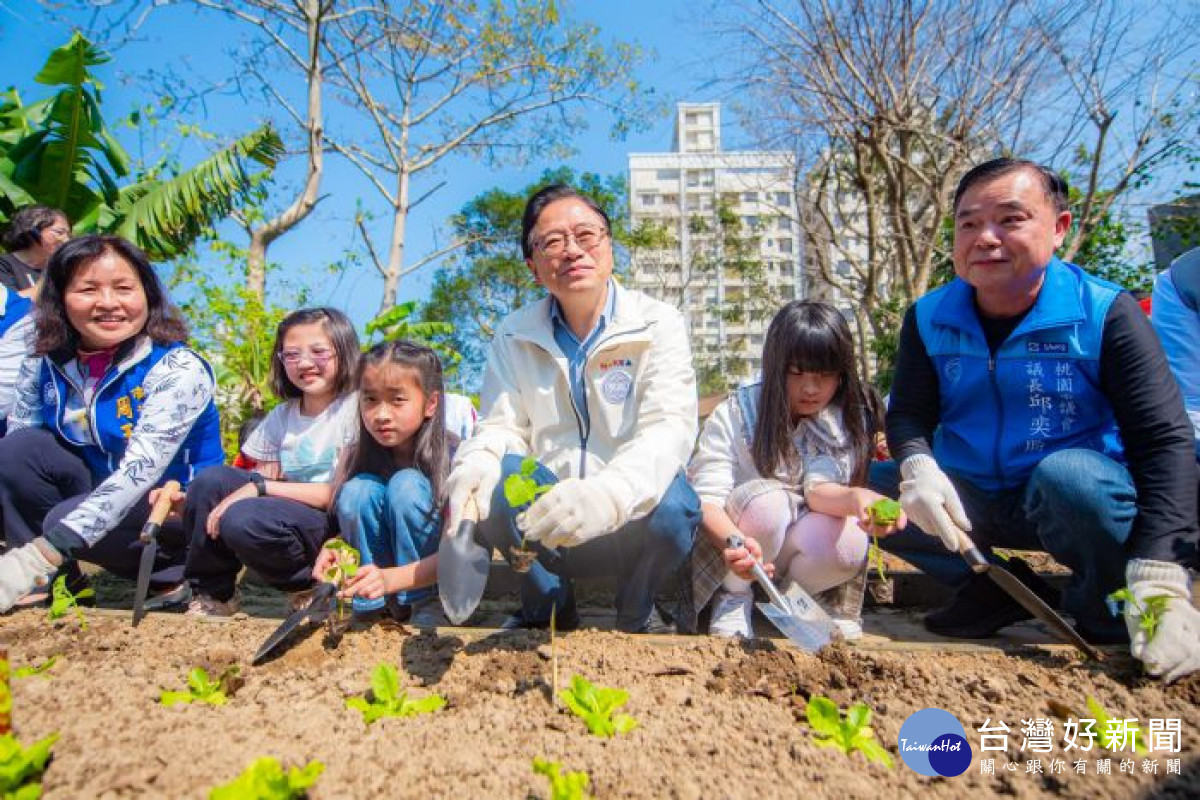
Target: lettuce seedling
x=521, y=489
x=1149, y=613
x=265, y=779
x=345, y=567
x=202, y=689
x=1107, y=731
x=595, y=706
x=884, y=511
x=849, y=734
x=62, y=600
x=38, y=669
x=21, y=768
x=387, y=699
x=563, y=785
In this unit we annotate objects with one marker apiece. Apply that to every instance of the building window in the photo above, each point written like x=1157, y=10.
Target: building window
x=843, y=268
x=749, y=197
x=785, y=224
x=785, y=245
x=667, y=174
x=648, y=199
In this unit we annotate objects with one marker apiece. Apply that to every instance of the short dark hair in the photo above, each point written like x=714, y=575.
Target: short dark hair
x=543, y=197
x=1055, y=185
x=27, y=225
x=55, y=335
x=341, y=335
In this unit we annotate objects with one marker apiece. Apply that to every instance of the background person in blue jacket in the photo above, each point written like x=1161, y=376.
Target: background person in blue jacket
x=1033, y=406
x=114, y=405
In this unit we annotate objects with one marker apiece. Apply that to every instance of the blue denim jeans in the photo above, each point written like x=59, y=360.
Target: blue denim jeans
x=392, y=524
x=1078, y=506
x=641, y=554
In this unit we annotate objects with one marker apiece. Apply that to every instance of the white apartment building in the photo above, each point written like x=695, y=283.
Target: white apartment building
x=682, y=190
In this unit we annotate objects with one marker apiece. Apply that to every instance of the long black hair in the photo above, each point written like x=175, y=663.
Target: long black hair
x=811, y=337
x=56, y=337
x=431, y=454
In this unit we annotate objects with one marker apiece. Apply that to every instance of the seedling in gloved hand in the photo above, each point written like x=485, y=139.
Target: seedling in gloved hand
x=202, y=689
x=345, y=567
x=563, y=785
x=521, y=489
x=849, y=734
x=62, y=600
x=1149, y=613
x=387, y=699
x=595, y=706
x=884, y=511
x=265, y=779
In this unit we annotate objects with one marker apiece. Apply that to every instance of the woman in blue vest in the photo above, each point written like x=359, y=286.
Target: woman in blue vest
x=115, y=405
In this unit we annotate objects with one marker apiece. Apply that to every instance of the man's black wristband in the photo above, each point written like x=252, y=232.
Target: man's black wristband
x=260, y=483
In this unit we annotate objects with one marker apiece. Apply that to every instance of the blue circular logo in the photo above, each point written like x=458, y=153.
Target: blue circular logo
x=933, y=742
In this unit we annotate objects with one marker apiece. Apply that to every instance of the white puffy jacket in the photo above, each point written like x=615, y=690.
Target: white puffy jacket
x=640, y=392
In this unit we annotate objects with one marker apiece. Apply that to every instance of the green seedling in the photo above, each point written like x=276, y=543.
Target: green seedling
x=202, y=689
x=345, y=567
x=21, y=768
x=1149, y=613
x=884, y=512
x=521, y=489
x=265, y=779
x=62, y=600
x=849, y=734
x=387, y=699
x=563, y=785
x=38, y=669
x=1104, y=729
x=875, y=559
x=595, y=706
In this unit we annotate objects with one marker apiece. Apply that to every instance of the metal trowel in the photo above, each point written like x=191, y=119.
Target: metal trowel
x=462, y=567
x=798, y=616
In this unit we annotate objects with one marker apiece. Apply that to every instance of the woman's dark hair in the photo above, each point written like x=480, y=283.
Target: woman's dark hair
x=345, y=346
x=55, y=335
x=431, y=454
x=811, y=337
x=27, y=225
x=1054, y=185
x=544, y=197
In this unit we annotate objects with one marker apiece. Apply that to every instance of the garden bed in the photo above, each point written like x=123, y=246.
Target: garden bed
x=716, y=719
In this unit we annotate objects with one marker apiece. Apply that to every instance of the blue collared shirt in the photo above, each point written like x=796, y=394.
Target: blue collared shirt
x=577, y=352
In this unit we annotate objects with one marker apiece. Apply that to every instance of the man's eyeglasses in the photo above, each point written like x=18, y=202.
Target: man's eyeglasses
x=318, y=357
x=586, y=236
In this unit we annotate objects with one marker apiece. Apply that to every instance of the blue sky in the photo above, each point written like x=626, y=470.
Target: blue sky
x=194, y=44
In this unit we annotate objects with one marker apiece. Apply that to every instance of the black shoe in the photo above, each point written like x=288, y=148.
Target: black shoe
x=981, y=608
x=565, y=620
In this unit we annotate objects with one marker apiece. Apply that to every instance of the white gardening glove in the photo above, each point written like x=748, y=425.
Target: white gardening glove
x=571, y=513
x=1174, y=650
x=475, y=477
x=22, y=570
x=930, y=501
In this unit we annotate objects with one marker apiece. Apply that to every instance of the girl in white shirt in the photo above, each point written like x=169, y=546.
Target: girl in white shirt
x=781, y=463
x=275, y=518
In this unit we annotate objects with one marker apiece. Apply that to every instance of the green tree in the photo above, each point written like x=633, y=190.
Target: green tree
x=488, y=279
x=59, y=152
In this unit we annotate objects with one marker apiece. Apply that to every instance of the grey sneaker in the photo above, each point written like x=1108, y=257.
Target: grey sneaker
x=201, y=605
x=656, y=624
x=427, y=614
x=731, y=614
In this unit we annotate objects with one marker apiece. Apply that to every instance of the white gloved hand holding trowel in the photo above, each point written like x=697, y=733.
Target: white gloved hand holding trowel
x=930, y=501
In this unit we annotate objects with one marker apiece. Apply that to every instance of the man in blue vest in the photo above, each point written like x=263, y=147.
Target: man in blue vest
x=1033, y=408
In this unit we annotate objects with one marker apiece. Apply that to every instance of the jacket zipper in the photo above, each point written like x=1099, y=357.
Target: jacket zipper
x=1000, y=416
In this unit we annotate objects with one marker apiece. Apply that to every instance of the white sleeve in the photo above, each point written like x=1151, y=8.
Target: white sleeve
x=15, y=348
x=264, y=442
x=713, y=469
x=26, y=410
x=504, y=425
x=178, y=389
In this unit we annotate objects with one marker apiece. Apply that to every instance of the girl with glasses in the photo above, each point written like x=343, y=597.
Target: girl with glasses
x=274, y=518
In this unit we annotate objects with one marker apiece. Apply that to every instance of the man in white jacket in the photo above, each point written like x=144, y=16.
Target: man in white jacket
x=595, y=382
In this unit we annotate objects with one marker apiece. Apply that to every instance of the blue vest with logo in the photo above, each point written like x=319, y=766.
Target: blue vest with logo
x=15, y=308
x=114, y=411
x=1040, y=393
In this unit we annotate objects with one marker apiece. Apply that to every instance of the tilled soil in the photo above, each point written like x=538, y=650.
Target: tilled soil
x=716, y=719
